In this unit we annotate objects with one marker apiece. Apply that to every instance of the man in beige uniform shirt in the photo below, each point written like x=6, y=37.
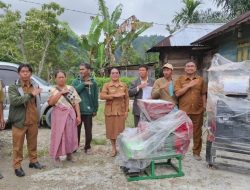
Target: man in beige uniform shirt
x=164, y=87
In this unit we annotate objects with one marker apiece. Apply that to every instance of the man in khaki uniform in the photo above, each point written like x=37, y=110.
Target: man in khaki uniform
x=191, y=92
x=164, y=87
x=24, y=118
x=2, y=125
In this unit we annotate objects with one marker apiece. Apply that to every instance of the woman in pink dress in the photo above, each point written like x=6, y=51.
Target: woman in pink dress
x=65, y=117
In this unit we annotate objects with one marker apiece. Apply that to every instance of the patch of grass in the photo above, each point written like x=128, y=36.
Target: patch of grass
x=100, y=118
x=41, y=152
x=130, y=119
x=99, y=141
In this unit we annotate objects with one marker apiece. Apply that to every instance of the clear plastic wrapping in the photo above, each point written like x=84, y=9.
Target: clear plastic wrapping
x=161, y=131
x=228, y=103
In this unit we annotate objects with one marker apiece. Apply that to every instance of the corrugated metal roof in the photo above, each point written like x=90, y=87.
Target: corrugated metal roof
x=226, y=27
x=186, y=35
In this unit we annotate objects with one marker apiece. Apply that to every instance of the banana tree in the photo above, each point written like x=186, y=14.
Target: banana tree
x=91, y=43
x=110, y=28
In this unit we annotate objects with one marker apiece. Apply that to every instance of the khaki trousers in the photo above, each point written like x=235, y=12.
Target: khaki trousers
x=197, y=120
x=18, y=135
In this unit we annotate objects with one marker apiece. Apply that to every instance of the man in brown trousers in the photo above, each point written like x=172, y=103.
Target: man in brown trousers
x=24, y=118
x=191, y=92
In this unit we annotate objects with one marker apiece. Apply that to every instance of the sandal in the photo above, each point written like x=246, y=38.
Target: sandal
x=114, y=153
x=57, y=163
x=211, y=166
x=71, y=158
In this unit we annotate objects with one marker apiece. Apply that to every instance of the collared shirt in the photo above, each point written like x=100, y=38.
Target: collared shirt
x=163, y=94
x=142, y=81
x=31, y=116
x=115, y=106
x=191, y=102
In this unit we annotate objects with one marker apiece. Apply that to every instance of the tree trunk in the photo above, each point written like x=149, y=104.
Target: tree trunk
x=22, y=47
x=41, y=64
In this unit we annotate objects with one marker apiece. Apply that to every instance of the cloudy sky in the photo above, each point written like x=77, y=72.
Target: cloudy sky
x=157, y=11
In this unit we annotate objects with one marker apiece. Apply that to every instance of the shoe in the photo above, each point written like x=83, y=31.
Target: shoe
x=211, y=166
x=19, y=172
x=1, y=177
x=197, y=157
x=36, y=165
x=71, y=158
x=88, y=151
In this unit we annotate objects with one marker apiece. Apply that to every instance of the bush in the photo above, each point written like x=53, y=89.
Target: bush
x=102, y=80
x=70, y=80
x=100, y=118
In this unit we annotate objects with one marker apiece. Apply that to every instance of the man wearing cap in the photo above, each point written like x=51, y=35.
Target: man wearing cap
x=164, y=87
x=191, y=92
x=136, y=90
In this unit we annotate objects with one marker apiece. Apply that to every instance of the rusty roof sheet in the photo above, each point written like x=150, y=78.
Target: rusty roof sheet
x=226, y=27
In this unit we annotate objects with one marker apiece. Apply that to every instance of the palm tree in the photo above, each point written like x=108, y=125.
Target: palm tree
x=188, y=14
x=234, y=7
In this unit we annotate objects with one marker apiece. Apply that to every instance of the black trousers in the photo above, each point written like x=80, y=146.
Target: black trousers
x=87, y=121
x=136, y=120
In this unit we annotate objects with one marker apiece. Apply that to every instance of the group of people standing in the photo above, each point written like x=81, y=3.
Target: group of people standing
x=188, y=93
x=72, y=106
x=77, y=104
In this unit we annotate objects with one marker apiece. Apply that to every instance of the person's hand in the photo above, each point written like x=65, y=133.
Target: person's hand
x=36, y=91
x=2, y=124
x=78, y=120
x=118, y=95
x=142, y=85
x=165, y=86
x=88, y=83
x=126, y=115
x=64, y=91
x=210, y=135
x=94, y=114
x=193, y=82
x=204, y=107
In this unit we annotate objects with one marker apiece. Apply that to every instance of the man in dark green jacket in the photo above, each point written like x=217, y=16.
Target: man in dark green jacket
x=87, y=89
x=24, y=118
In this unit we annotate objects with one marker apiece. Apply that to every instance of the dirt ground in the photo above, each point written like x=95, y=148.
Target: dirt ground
x=100, y=171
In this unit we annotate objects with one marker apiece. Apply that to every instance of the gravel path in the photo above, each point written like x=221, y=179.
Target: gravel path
x=99, y=171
